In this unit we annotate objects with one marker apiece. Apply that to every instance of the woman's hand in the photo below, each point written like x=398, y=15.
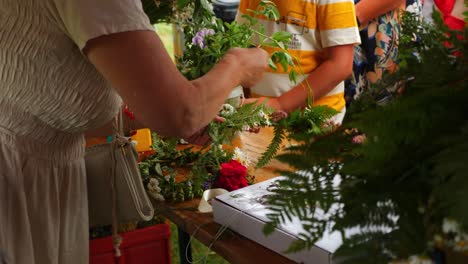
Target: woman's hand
x=137, y=66
x=253, y=61
x=201, y=137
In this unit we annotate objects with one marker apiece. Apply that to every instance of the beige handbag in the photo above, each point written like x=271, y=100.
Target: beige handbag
x=115, y=188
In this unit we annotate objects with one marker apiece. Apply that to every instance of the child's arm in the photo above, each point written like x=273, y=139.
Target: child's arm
x=336, y=68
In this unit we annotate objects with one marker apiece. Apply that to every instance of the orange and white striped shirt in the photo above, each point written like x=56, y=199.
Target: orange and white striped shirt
x=315, y=25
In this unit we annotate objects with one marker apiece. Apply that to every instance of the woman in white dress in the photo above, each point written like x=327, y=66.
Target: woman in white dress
x=65, y=66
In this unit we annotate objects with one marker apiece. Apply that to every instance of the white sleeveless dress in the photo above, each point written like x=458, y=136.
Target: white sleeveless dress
x=49, y=95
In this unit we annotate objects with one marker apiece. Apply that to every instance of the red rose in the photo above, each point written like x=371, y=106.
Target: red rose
x=232, y=176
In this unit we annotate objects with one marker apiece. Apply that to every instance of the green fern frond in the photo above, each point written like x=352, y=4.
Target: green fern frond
x=273, y=148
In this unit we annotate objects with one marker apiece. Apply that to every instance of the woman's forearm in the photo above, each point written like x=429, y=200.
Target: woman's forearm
x=138, y=67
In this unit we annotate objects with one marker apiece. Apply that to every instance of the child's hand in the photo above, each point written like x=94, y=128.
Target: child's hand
x=270, y=102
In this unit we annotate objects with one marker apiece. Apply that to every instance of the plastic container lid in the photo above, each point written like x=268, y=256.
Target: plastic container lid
x=226, y=2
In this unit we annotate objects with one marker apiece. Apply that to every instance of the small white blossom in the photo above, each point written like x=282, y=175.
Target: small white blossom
x=241, y=157
x=245, y=127
x=266, y=117
x=153, y=185
x=450, y=226
x=461, y=243
x=226, y=110
x=157, y=196
x=167, y=177
x=154, y=190
x=262, y=114
x=419, y=260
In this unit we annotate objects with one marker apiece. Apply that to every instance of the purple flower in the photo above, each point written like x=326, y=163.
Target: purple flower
x=199, y=38
x=206, y=32
x=206, y=185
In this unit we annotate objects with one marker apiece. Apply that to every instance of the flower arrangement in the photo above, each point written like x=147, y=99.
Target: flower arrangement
x=207, y=40
x=202, y=169
x=396, y=169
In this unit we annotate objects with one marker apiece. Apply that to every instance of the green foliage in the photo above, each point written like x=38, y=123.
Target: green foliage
x=202, y=164
x=164, y=11
x=248, y=115
x=401, y=155
x=273, y=147
x=198, y=58
x=302, y=125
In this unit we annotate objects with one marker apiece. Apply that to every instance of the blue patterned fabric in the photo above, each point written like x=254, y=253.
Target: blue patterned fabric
x=378, y=51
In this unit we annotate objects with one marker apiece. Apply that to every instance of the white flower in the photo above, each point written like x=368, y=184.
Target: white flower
x=419, y=260
x=153, y=185
x=183, y=141
x=157, y=196
x=450, y=226
x=245, y=127
x=167, y=177
x=241, y=157
x=460, y=242
x=154, y=190
x=226, y=110
x=262, y=114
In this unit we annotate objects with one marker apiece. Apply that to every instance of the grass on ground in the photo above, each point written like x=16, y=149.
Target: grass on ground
x=200, y=253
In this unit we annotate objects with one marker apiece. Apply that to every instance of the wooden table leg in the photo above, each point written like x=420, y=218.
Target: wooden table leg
x=185, y=249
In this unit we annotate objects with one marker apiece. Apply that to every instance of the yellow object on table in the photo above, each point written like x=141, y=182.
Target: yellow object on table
x=143, y=139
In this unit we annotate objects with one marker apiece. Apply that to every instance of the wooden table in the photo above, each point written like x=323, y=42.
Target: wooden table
x=231, y=246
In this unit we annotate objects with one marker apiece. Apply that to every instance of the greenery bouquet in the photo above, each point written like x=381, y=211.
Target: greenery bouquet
x=207, y=39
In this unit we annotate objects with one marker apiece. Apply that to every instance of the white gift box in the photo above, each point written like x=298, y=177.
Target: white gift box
x=244, y=211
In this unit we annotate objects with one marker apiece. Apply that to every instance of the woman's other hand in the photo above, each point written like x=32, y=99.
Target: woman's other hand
x=201, y=137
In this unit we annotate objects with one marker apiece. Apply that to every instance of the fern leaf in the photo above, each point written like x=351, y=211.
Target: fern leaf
x=267, y=156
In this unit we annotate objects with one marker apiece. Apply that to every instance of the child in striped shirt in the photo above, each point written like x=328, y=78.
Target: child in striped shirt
x=324, y=33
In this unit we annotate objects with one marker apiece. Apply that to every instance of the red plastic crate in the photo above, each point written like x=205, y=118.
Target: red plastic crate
x=149, y=245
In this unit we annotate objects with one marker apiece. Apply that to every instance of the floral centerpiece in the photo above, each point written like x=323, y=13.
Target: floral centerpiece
x=217, y=165
x=207, y=40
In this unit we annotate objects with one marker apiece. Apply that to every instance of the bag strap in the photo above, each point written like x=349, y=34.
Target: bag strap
x=118, y=143
x=116, y=238
x=117, y=126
